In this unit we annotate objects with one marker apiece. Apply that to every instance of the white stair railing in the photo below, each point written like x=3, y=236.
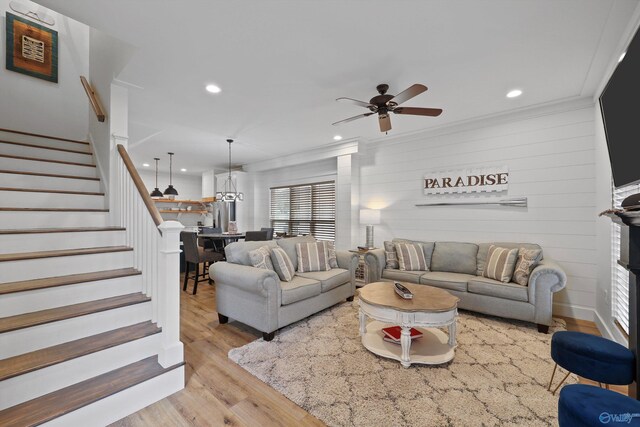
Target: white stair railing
x=156, y=253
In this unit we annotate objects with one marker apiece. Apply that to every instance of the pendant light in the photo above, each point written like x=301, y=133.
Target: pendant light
x=230, y=193
x=156, y=193
x=170, y=191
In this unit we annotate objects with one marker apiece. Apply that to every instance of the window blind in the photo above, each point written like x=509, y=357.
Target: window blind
x=619, y=274
x=305, y=209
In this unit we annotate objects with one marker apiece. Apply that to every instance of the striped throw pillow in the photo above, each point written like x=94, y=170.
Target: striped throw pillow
x=500, y=263
x=282, y=264
x=261, y=258
x=331, y=254
x=411, y=257
x=312, y=257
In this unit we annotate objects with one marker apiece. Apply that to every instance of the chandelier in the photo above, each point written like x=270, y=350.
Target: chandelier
x=230, y=193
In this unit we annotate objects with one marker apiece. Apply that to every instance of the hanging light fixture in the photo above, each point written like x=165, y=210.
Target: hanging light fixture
x=156, y=193
x=230, y=193
x=170, y=191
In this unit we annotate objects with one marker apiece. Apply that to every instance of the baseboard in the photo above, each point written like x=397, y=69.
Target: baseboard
x=611, y=333
x=574, y=311
x=118, y=406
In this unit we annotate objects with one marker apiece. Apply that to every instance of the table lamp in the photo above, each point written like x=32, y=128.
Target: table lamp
x=369, y=217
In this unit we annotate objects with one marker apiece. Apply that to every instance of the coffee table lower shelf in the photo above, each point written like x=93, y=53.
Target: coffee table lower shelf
x=431, y=349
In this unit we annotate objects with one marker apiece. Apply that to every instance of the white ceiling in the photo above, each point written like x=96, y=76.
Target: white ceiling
x=282, y=64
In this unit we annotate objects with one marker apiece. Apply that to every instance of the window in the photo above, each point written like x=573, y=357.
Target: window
x=305, y=209
x=619, y=274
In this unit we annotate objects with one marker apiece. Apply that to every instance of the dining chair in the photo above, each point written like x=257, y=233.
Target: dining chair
x=217, y=245
x=193, y=254
x=269, y=231
x=253, y=236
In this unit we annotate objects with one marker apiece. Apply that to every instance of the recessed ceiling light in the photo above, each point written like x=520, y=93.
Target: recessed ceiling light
x=146, y=165
x=514, y=93
x=622, y=56
x=183, y=170
x=213, y=89
x=337, y=138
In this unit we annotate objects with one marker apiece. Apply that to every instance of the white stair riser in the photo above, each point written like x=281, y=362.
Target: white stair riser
x=43, y=299
x=18, y=220
x=12, y=180
x=28, y=269
x=7, y=136
x=12, y=243
x=117, y=406
x=44, y=153
x=26, y=340
x=46, y=167
x=26, y=199
x=25, y=387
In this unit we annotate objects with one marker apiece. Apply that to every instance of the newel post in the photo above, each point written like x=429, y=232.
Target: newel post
x=168, y=299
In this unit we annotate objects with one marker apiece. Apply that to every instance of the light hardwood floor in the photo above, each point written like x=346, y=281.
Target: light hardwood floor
x=220, y=393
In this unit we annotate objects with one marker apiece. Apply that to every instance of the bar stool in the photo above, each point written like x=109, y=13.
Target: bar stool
x=193, y=254
x=591, y=357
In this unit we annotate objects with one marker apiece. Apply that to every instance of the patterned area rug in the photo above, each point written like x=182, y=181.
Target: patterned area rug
x=498, y=377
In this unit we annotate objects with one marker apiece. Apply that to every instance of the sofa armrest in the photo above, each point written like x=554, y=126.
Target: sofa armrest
x=375, y=261
x=348, y=261
x=251, y=279
x=547, y=278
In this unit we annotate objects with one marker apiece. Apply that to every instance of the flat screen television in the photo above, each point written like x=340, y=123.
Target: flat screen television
x=620, y=106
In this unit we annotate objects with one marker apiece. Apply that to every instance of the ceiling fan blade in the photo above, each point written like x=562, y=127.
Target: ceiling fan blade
x=350, y=119
x=385, y=123
x=356, y=102
x=415, y=111
x=409, y=93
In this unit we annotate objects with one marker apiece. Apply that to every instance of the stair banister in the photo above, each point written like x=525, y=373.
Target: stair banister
x=156, y=253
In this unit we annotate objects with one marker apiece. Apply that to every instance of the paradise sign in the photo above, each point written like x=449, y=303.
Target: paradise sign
x=476, y=180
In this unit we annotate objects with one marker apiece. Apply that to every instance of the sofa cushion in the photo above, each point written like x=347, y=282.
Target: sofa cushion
x=289, y=246
x=455, y=257
x=401, y=275
x=299, y=288
x=411, y=256
x=527, y=260
x=261, y=258
x=312, y=256
x=282, y=264
x=446, y=280
x=329, y=279
x=500, y=263
x=483, y=250
x=238, y=252
x=493, y=288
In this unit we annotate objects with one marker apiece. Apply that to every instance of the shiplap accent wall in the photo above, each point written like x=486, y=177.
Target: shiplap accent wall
x=551, y=159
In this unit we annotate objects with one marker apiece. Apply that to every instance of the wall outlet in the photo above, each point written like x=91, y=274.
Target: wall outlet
x=605, y=292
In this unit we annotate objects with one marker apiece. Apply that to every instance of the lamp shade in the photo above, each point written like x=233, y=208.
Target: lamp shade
x=370, y=216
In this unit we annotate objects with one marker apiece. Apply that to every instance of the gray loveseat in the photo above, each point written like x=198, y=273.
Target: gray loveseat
x=458, y=268
x=258, y=298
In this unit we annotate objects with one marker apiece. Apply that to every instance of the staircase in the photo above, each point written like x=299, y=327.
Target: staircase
x=81, y=333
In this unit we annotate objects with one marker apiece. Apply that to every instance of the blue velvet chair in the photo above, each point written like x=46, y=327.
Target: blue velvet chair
x=592, y=357
x=583, y=405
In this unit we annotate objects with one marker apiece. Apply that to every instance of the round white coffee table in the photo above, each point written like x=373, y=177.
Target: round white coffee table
x=430, y=308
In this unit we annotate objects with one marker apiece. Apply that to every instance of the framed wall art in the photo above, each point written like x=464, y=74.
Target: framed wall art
x=31, y=49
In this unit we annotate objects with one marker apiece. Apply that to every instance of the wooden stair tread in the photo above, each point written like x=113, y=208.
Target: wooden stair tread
x=50, y=175
x=37, y=159
x=63, y=401
x=42, y=190
x=38, y=359
x=39, y=135
x=63, y=252
x=72, y=279
x=59, y=230
x=11, y=209
x=44, y=147
x=35, y=318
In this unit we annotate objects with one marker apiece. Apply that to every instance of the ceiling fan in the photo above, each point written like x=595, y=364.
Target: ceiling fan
x=384, y=104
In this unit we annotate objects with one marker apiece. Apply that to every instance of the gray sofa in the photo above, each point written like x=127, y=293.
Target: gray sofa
x=458, y=267
x=258, y=298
